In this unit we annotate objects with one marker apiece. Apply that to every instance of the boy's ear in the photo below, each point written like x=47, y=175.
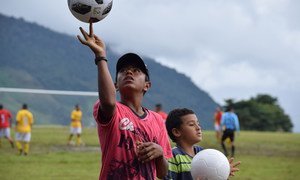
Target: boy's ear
x=176, y=132
x=147, y=86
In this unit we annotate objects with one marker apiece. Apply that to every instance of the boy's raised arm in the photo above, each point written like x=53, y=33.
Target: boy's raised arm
x=106, y=88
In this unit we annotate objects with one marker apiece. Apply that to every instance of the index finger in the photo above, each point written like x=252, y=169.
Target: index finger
x=91, y=29
x=237, y=163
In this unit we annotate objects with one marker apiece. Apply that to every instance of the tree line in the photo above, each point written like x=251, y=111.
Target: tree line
x=261, y=113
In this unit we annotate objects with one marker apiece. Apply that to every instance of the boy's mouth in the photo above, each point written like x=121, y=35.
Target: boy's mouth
x=128, y=78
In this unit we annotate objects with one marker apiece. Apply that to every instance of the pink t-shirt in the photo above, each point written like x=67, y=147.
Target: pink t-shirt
x=118, y=143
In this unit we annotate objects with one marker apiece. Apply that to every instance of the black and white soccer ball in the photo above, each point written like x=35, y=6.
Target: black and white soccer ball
x=90, y=10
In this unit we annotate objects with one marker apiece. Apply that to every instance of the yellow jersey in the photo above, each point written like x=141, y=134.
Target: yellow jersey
x=76, y=118
x=24, y=121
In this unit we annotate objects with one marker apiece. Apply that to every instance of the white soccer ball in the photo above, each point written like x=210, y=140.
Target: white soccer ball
x=90, y=10
x=210, y=164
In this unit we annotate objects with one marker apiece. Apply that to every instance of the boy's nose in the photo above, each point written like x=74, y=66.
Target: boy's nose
x=129, y=70
x=198, y=127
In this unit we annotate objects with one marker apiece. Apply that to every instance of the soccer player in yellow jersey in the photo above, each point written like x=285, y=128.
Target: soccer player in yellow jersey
x=24, y=121
x=76, y=128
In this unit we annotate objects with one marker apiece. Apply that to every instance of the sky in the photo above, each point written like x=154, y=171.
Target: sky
x=229, y=48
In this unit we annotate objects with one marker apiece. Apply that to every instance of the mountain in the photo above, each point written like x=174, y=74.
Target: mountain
x=36, y=57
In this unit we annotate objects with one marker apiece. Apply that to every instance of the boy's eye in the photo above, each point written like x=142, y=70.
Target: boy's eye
x=122, y=70
x=136, y=70
x=132, y=69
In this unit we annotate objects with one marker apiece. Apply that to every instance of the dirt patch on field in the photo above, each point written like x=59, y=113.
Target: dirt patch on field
x=73, y=148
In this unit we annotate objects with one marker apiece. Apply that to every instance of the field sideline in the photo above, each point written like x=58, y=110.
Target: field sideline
x=264, y=155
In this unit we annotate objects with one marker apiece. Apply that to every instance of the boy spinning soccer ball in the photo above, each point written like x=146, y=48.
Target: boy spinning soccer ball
x=184, y=129
x=134, y=141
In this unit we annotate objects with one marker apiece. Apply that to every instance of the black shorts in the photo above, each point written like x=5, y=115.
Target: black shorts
x=228, y=133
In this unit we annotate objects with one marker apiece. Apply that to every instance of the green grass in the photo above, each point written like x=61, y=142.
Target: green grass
x=51, y=158
x=263, y=156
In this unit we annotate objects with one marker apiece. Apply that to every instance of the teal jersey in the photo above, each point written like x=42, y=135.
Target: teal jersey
x=180, y=164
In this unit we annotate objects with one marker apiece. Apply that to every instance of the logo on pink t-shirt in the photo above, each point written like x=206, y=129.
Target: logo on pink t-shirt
x=126, y=124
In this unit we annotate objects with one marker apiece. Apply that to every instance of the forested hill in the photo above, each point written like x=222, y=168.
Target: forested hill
x=36, y=57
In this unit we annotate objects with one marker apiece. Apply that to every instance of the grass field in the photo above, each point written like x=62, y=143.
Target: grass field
x=263, y=155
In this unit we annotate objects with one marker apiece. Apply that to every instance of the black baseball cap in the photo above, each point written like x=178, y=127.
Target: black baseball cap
x=134, y=60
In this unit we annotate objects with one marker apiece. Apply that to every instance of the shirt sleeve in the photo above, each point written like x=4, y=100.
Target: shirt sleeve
x=98, y=117
x=96, y=111
x=72, y=115
x=164, y=141
x=237, y=124
x=18, y=117
x=30, y=118
x=9, y=115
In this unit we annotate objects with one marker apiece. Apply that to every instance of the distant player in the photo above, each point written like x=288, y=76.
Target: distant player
x=229, y=124
x=158, y=109
x=24, y=121
x=217, y=123
x=184, y=129
x=76, y=127
x=5, y=125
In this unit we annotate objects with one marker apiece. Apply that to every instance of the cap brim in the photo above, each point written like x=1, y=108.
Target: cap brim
x=134, y=60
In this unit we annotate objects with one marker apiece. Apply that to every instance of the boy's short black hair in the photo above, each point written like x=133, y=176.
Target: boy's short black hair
x=174, y=120
x=229, y=108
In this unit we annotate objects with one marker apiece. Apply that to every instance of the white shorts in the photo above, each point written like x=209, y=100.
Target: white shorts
x=217, y=127
x=75, y=130
x=5, y=132
x=23, y=136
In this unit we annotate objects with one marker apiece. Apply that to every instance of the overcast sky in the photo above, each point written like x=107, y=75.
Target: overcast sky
x=230, y=48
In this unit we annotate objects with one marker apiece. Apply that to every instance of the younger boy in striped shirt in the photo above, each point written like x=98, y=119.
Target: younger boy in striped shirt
x=184, y=129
